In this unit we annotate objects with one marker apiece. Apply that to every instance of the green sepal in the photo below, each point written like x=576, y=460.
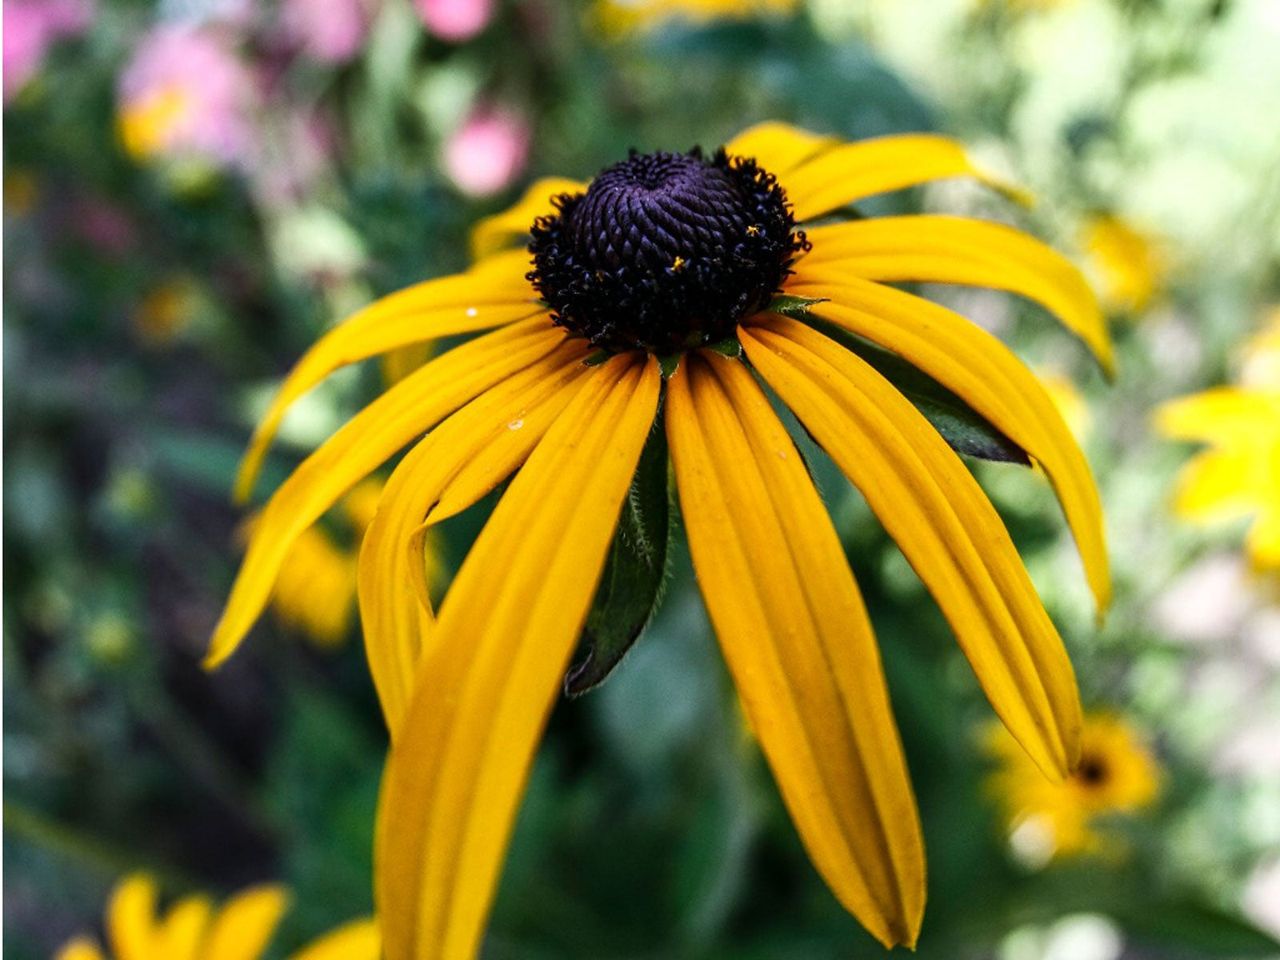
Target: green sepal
x=792, y=306
x=597, y=358
x=964, y=429
x=669, y=365
x=634, y=573
x=728, y=347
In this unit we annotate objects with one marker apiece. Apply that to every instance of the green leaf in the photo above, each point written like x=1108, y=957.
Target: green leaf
x=669, y=365
x=792, y=306
x=967, y=431
x=633, y=575
x=1202, y=930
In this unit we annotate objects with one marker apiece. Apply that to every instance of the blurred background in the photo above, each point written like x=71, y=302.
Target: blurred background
x=194, y=189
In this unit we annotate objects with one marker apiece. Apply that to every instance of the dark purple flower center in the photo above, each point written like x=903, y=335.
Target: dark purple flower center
x=665, y=251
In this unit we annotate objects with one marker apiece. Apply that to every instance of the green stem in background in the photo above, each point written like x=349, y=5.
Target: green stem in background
x=101, y=856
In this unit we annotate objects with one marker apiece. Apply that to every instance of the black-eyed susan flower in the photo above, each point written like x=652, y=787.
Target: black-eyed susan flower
x=193, y=929
x=651, y=315
x=1238, y=476
x=1116, y=776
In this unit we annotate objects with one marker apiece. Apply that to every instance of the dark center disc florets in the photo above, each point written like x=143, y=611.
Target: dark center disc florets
x=665, y=251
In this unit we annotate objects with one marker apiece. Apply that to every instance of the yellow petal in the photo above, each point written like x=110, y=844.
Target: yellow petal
x=506, y=631
x=985, y=374
x=1223, y=415
x=245, y=925
x=855, y=171
x=943, y=523
x=81, y=948
x=501, y=426
x=487, y=296
x=315, y=590
x=1219, y=485
x=511, y=225
x=131, y=918
x=357, y=940
x=181, y=934
x=943, y=249
x=1263, y=541
x=798, y=642
x=778, y=147
x=412, y=406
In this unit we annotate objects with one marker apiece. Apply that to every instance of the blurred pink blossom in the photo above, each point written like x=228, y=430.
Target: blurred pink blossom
x=30, y=27
x=330, y=31
x=186, y=93
x=488, y=151
x=455, y=20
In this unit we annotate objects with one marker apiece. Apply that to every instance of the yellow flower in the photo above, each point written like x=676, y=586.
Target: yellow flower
x=21, y=192
x=147, y=124
x=165, y=311
x=316, y=588
x=1116, y=775
x=1239, y=474
x=625, y=16
x=1126, y=264
x=564, y=393
x=193, y=930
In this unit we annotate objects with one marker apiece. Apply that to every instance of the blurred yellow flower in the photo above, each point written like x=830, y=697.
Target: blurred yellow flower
x=624, y=16
x=1116, y=775
x=165, y=311
x=1239, y=474
x=21, y=191
x=1066, y=396
x=194, y=930
x=147, y=124
x=1125, y=264
x=316, y=591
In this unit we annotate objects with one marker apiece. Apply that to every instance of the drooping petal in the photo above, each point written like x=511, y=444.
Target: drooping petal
x=181, y=933
x=985, y=374
x=490, y=295
x=131, y=918
x=503, y=229
x=778, y=147
x=245, y=925
x=357, y=940
x=943, y=249
x=506, y=631
x=406, y=410
x=855, y=171
x=81, y=948
x=500, y=426
x=944, y=525
x=798, y=642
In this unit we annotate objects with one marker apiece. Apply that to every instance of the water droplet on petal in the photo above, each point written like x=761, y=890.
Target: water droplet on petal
x=472, y=311
x=515, y=424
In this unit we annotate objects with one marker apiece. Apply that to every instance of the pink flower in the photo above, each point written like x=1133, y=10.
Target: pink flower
x=330, y=31
x=186, y=93
x=455, y=20
x=487, y=152
x=30, y=27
